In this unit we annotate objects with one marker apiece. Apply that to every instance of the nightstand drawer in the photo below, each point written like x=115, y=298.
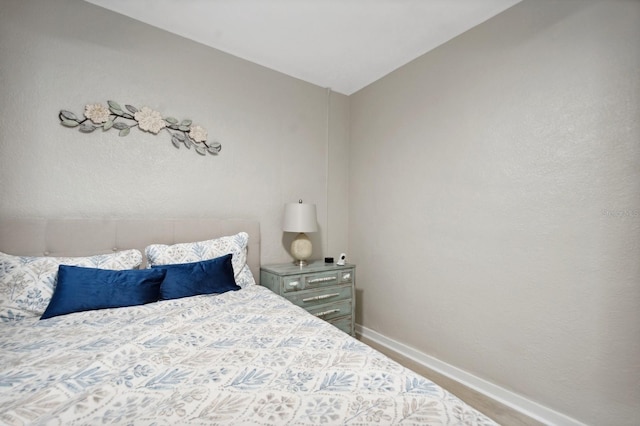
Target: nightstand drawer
x=320, y=296
x=331, y=310
x=345, y=324
x=315, y=280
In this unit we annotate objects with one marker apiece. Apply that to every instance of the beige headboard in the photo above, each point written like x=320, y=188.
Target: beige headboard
x=83, y=237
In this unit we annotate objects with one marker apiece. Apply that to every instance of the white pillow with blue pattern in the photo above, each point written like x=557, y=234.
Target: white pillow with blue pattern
x=27, y=282
x=162, y=254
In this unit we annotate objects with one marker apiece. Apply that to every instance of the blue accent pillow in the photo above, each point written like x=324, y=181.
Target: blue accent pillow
x=191, y=279
x=84, y=289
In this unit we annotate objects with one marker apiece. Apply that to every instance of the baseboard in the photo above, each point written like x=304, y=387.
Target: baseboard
x=517, y=402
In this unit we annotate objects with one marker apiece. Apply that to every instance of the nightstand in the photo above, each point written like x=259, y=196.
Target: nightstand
x=325, y=290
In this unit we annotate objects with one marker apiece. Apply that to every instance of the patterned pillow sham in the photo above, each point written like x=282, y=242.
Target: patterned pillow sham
x=27, y=282
x=162, y=254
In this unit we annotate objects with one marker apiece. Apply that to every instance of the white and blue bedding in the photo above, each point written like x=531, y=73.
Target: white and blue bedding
x=242, y=357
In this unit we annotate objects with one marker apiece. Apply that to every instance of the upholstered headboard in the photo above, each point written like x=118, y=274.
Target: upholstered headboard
x=83, y=237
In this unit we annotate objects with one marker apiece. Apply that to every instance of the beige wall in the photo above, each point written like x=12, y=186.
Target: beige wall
x=338, y=176
x=64, y=54
x=495, y=205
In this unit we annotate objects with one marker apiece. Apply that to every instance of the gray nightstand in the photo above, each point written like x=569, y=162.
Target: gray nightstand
x=325, y=290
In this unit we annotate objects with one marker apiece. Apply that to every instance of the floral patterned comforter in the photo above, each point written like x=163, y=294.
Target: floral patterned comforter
x=243, y=357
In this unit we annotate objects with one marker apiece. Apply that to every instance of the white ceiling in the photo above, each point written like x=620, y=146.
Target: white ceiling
x=340, y=44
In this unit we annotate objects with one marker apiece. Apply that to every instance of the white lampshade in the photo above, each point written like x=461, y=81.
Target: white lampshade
x=301, y=218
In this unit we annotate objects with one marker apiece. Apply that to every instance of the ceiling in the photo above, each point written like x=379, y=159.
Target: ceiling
x=339, y=44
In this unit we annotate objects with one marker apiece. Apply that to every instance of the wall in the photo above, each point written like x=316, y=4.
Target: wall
x=495, y=205
x=338, y=176
x=65, y=54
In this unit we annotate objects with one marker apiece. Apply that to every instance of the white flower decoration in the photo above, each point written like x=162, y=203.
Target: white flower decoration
x=149, y=120
x=97, y=113
x=114, y=116
x=198, y=134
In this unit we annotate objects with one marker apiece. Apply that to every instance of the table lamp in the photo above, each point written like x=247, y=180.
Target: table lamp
x=300, y=218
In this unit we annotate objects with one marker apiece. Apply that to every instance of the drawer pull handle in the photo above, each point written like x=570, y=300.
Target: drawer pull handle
x=324, y=296
x=325, y=313
x=294, y=284
x=346, y=276
x=321, y=280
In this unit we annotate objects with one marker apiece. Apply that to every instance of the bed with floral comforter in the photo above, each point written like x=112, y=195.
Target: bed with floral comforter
x=242, y=357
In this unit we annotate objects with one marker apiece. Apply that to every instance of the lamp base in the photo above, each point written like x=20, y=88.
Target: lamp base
x=301, y=249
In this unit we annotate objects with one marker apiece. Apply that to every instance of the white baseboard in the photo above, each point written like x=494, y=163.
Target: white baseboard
x=517, y=402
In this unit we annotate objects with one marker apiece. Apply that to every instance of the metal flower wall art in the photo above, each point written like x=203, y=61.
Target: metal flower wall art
x=112, y=116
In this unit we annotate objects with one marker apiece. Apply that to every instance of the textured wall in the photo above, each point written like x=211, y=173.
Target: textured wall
x=64, y=54
x=495, y=205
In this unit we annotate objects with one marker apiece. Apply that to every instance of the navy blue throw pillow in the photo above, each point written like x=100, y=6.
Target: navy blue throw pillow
x=84, y=289
x=204, y=277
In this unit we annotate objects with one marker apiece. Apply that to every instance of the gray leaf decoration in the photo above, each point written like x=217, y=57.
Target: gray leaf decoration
x=215, y=148
x=68, y=115
x=69, y=123
x=175, y=141
x=113, y=116
x=114, y=105
x=86, y=128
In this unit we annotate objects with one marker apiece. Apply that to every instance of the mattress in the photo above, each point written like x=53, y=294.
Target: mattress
x=246, y=357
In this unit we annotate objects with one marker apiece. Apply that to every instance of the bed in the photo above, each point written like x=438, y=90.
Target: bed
x=243, y=356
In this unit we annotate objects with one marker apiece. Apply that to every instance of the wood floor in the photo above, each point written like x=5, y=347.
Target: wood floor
x=500, y=413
